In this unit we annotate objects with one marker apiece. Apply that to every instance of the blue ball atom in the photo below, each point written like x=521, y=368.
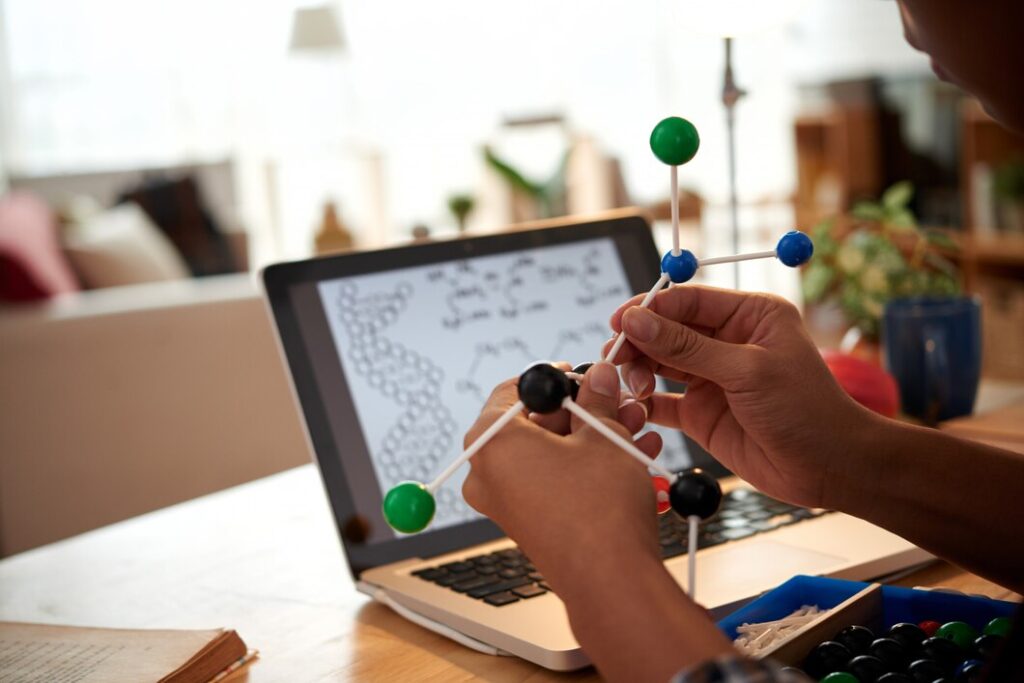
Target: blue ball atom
x=679, y=268
x=794, y=249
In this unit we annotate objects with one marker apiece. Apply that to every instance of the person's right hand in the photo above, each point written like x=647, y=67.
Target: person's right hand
x=759, y=396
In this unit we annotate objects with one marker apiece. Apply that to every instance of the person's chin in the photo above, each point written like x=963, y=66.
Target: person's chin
x=941, y=72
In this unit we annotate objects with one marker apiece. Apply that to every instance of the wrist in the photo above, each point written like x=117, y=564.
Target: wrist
x=857, y=456
x=635, y=621
x=869, y=462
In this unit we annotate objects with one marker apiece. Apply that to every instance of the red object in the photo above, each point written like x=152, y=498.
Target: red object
x=930, y=627
x=867, y=383
x=661, y=487
x=32, y=265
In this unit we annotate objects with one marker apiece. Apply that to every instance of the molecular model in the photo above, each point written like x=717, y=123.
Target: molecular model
x=409, y=507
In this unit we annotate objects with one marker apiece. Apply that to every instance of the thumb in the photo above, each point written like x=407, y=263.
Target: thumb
x=677, y=346
x=599, y=393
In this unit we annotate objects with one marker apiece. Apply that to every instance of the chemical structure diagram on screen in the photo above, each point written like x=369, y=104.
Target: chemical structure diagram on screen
x=428, y=371
x=482, y=294
x=423, y=434
x=490, y=358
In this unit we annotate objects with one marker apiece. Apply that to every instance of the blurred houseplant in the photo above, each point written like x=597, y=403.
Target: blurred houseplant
x=878, y=253
x=460, y=206
x=546, y=199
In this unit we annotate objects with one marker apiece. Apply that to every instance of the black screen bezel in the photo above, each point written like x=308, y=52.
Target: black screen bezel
x=640, y=259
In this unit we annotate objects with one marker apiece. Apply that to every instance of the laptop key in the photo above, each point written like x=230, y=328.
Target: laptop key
x=736, y=534
x=512, y=572
x=499, y=599
x=470, y=584
x=483, y=591
x=452, y=579
x=457, y=567
x=529, y=591
x=483, y=560
x=487, y=569
x=536, y=576
x=431, y=574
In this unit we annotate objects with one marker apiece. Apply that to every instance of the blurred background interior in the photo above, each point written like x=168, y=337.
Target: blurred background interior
x=154, y=155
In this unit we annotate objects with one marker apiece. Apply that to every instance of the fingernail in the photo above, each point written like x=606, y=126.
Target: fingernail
x=633, y=401
x=604, y=379
x=637, y=382
x=640, y=325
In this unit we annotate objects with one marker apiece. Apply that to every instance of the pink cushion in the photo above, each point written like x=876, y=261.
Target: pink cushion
x=30, y=253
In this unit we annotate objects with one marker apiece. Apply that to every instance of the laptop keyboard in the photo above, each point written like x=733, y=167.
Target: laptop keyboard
x=507, y=576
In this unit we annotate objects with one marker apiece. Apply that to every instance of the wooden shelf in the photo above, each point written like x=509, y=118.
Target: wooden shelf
x=997, y=249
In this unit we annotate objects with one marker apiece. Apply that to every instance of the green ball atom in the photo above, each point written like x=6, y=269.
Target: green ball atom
x=1000, y=626
x=959, y=632
x=840, y=677
x=409, y=507
x=675, y=141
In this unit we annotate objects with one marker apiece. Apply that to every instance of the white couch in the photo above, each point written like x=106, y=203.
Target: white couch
x=117, y=402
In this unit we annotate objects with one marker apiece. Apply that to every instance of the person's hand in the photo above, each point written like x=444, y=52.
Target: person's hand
x=584, y=513
x=759, y=396
x=557, y=487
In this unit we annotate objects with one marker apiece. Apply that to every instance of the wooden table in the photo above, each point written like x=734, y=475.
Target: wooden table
x=263, y=558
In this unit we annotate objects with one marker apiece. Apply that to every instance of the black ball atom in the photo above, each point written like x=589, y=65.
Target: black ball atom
x=909, y=635
x=543, y=387
x=926, y=670
x=574, y=386
x=890, y=651
x=856, y=638
x=866, y=668
x=825, y=658
x=695, y=492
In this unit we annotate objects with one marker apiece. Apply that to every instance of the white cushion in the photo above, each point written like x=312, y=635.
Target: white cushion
x=122, y=246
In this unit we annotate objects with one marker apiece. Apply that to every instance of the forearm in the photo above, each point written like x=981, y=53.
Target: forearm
x=961, y=500
x=634, y=621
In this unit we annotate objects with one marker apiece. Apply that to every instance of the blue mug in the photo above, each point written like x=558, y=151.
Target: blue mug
x=933, y=349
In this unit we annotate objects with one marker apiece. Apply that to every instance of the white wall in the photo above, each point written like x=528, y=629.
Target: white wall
x=421, y=88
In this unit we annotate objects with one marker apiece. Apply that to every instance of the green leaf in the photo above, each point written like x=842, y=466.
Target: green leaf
x=868, y=211
x=901, y=220
x=898, y=196
x=940, y=239
x=824, y=244
x=816, y=281
x=511, y=175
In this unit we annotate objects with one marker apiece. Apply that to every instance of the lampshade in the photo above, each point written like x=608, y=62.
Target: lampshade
x=316, y=29
x=731, y=18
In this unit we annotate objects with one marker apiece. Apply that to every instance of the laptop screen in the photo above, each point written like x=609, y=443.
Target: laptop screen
x=402, y=353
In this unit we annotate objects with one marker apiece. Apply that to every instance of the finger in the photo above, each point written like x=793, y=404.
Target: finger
x=632, y=415
x=677, y=346
x=650, y=444
x=695, y=305
x=639, y=376
x=556, y=422
x=504, y=396
x=627, y=352
x=599, y=393
x=703, y=413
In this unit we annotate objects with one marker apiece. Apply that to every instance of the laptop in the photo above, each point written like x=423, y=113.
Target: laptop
x=392, y=354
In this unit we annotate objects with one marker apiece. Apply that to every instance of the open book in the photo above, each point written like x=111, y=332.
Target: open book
x=68, y=654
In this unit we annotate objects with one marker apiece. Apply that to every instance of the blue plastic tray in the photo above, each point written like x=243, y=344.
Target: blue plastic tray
x=898, y=604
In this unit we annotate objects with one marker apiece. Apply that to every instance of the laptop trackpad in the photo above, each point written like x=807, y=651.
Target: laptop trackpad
x=750, y=568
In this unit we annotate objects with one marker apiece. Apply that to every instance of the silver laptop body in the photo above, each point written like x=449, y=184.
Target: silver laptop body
x=392, y=353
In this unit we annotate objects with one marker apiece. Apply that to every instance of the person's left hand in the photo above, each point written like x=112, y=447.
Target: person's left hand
x=556, y=486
